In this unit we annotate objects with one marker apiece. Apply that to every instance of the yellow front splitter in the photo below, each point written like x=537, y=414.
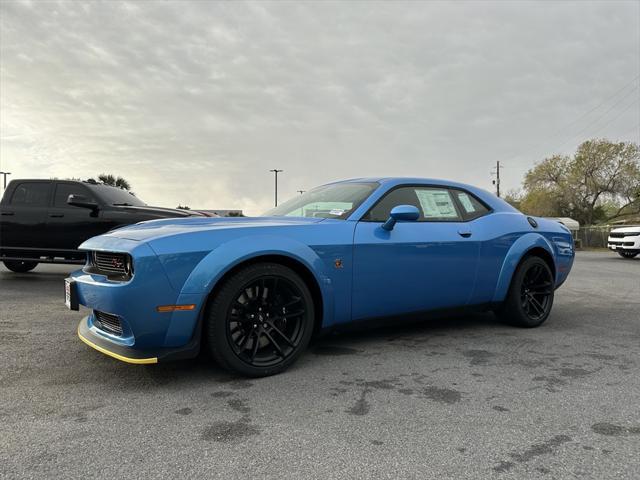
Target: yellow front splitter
x=122, y=358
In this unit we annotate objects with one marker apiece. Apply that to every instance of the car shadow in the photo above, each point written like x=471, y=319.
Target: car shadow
x=417, y=327
x=204, y=372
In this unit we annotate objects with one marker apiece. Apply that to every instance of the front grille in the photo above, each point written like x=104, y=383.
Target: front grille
x=108, y=322
x=623, y=234
x=615, y=243
x=112, y=264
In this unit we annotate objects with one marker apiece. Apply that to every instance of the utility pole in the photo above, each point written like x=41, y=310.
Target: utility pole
x=4, y=174
x=300, y=191
x=276, y=171
x=496, y=182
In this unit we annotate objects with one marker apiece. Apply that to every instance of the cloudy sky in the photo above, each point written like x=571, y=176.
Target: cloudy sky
x=193, y=102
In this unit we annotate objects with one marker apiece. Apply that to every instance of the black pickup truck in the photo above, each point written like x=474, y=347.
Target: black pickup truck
x=44, y=221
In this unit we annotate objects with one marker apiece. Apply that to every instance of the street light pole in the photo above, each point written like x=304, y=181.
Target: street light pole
x=4, y=174
x=276, y=171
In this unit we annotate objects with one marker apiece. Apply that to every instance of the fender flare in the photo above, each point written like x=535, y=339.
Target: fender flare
x=206, y=275
x=515, y=254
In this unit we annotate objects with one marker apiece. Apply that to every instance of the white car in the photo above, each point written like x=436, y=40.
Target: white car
x=625, y=241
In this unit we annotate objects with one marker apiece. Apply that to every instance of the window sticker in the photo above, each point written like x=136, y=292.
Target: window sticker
x=436, y=204
x=322, y=209
x=466, y=202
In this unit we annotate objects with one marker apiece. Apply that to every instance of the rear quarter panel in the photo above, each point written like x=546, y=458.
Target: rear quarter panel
x=505, y=238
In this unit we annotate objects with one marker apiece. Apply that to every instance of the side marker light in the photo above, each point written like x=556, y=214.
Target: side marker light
x=174, y=308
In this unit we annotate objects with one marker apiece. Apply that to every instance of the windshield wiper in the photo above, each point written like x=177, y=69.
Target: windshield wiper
x=123, y=205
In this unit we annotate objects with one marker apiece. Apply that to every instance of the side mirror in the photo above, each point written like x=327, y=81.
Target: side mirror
x=81, y=201
x=404, y=213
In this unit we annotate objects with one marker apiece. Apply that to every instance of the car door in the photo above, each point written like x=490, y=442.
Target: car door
x=23, y=216
x=421, y=265
x=68, y=226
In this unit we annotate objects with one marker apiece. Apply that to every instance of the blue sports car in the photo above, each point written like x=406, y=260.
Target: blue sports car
x=253, y=291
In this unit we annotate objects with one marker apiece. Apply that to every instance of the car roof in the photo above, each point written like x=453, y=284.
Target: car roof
x=392, y=181
x=387, y=183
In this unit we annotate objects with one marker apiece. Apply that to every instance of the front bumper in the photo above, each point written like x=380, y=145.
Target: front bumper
x=624, y=243
x=124, y=354
x=88, y=334
x=138, y=331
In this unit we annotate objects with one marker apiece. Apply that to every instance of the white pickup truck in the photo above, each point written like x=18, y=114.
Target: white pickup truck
x=625, y=241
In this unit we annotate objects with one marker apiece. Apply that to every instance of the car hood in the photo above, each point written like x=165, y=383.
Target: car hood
x=160, y=212
x=626, y=229
x=154, y=229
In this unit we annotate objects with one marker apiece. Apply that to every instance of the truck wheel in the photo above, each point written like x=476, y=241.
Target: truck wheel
x=530, y=295
x=624, y=254
x=20, y=266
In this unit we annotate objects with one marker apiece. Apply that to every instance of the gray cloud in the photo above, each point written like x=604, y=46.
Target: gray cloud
x=193, y=102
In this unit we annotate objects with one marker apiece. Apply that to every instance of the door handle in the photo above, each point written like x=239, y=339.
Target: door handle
x=56, y=215
x=464, y=233
x=6, y=214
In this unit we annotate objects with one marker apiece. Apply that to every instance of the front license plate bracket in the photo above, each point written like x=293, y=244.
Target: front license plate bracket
x=71, y=294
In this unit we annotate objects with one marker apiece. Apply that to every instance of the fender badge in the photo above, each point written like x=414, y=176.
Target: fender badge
x=337, y=263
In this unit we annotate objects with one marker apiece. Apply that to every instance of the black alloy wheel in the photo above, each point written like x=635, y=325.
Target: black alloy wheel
x=536, y=291
x=260, y=320
x=265, y=321
x=530, y=296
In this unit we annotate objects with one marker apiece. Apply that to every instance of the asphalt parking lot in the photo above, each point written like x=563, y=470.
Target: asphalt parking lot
x=462, y=397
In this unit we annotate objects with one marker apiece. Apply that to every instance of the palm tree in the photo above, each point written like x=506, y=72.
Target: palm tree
x=109, y=179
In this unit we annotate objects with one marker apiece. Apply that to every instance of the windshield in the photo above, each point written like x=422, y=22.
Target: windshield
x=337, y=200
x=117, y=196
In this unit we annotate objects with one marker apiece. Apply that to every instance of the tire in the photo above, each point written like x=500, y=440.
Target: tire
x=20, y=266
x=624, y=254
x=530, y=295
x=248, y=328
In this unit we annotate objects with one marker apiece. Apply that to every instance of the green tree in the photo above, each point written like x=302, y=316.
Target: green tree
x=109, y=179
x=183, y=207
x=600, y=182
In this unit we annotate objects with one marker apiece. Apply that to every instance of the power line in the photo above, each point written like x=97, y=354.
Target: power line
x=601, y=126
x=635, y=129
x=599, y=105
x=558, y=132
x=606, y=112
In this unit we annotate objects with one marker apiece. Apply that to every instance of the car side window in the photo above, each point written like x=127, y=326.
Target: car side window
x=63, y=190
x=399, y=196
x=435, y=204
x=472, y=208
x=438, y=205
x=31, y=194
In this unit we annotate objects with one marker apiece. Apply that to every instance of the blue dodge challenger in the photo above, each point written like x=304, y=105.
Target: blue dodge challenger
x=253, y=291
